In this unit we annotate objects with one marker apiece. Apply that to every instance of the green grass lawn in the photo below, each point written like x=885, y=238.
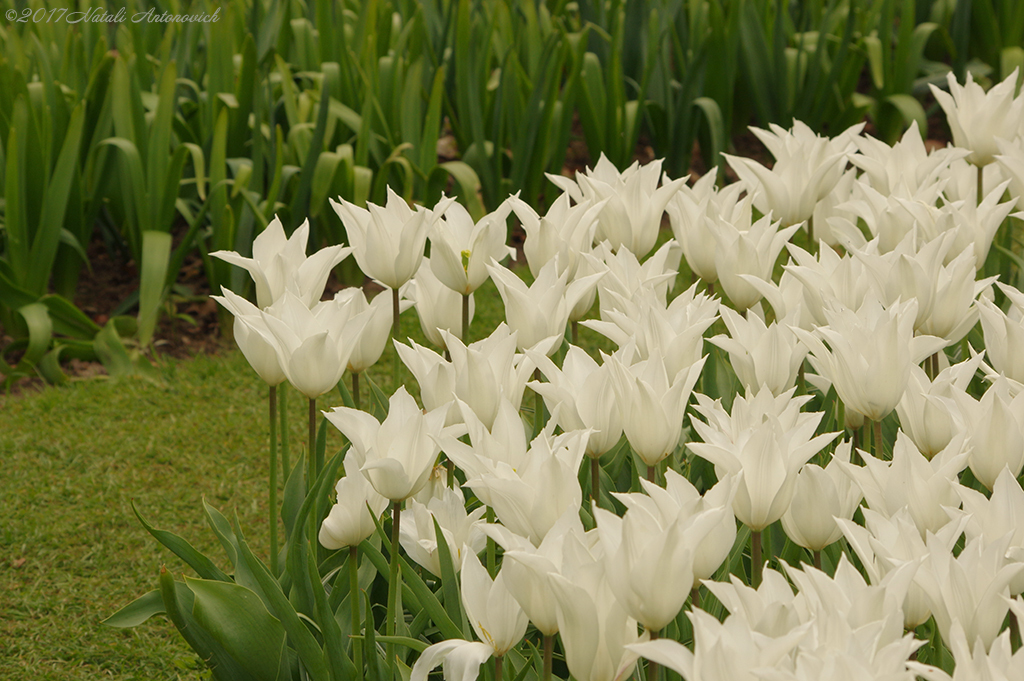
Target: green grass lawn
x=74, y=459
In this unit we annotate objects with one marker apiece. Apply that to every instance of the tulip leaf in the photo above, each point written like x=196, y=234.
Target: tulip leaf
x=294, y=494
x=339, y=663
x=413, y=643
x=178, y=601
x=301, y=639
x=138, y=611
x=156, y=251
x=203, y=566
x=449, y=586
x=40, y=333
x=380, y=400
x=239, y=621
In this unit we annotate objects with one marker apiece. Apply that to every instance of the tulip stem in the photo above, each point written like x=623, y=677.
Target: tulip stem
x=981, y=184
x=395, y=330
x=878, y=440
x=272, y=400
x=711, y=289
x=312, y=470
x=282, y=413
x=595, y=480
x=393, y=584
x=1015, y=641
x=449, y=465
x=652, y=666
x=549, y=651
x=816, y=557
x=489, y=516
x=695, y=597
x=353, y=594
x=812, y=247
x=538, y=407
x=465, y=318
x=498, y=664
x=574, y=331
x=652, y=473
x=355, y=389
x=756, y=566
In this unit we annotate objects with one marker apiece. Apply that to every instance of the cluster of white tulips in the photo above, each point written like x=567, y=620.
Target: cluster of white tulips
x=875, y=313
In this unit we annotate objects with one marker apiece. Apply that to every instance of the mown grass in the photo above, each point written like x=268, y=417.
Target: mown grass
x=76, y=458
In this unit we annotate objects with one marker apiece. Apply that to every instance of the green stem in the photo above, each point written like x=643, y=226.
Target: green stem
x=652, y=666
x=595, y=480
x=312, y=473
x=282, y=413
x=353, y=594
x=812, y=246
x=756, y=565
x=272, y=399
x=355, y=389
x=395, y=331
x=574, y=331
x=498, y=664
x=817, y=559
x=538, y=407
x=491, y=558
x=549, y=651
x=394, y=585
x=981, y=184
x=449, y=466
x=878, y=440
x=695, y=597
x=652, y=473
x=465, y=318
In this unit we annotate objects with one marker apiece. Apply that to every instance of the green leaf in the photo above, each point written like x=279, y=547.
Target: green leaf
x=138, y=611
x=40, y=333
x=449, y=585
x=203, y=566
x=237, y=619
x=156, y=251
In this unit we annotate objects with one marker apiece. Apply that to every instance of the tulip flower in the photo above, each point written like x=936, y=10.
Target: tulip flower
x=746, y=249
x=371, y=342
x=279, y=263
x=870, y=354
x=539, y=312
x=352, y=518
x=312, y=346
x=976, y=661
x=676, y=330
x=530, y=499
x=928, y=412
x=907, y=163
x=913, y=482
x=434, y=374
x=806, y=169
x=496, y=618
x=526, y=567
x=1004, y=334
x=595, y=629
x=822, y=494
x=997, y=517
x=653, y=404
x=1011, y=163
x=723, y=651
x=761, y=355
x=504, y=442
x=461, y=250
x=978, y=118
x=565, y=232
x=633, y=206
x=462, y=531
x=649, y=564
x=884, y=545
x=767, y=439
x=972, y=588
x=396, y=455
x=625, y=276
x=258, y=351
x=439, y=308
x=388, y=241
x=581, y=394
x=995, y=424
x=687, y=211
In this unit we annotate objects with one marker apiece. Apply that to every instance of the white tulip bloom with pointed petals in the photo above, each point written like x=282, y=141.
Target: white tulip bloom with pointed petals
x=978, y=118
x=388, y=241
x=822, y=494
x=761, y=355
x=746, y=249
x=352, y=517
x=496, y=618
x=461, y=250
x=634, y=203
x=279, y=263
x=398, y=454
x=258, y=351
x=438, y=307
x=461, y=531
